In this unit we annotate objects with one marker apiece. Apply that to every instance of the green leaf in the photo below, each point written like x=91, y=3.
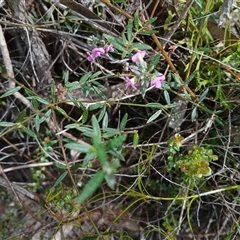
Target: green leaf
x=31, y=21
x=99, y=85
x=60, y=110
x=100, y=150
x=220, y=121
x=69, y=27
x=105, y=121
x=96, y=74
x=139, y=46
x=191, y=77
x=118, y=46
x=109, y=132
x=86, y=131
x=65, y=12
x=194, y=114
x=110, y=180
x=123, y=122
x=94, y=237
x=89, y=157
x=152, y=65
x=35, y=104
x=60, y=166
x=147, y=32
x=203, y=96
x=73, y=86
x=102, y=113
x=85, y=115
x=6, y=124
x=137, y=21
x=53, y=91
x=150, y=21
x=83, y=148
x=41, y=100
x=129, y=29
x=91, y=186
x=154, y=105
x=10, y=92
x=117, y=141
x=186, y=94
x=166, y=96
x=172, y=105
x=99, y=92
x=76, y=166
x=37, y=123
x=124, y=54
x=154, y=116
x=85, y=77
x=75, y=101
x=135, y=140
x=116, y=154
x=177, y=80
x=45, y=116
x=124, y=39
x=29, y=132
x=96, y=127
x=96, y=106
x=22, y=115
x=72, y=18
x=117, y=43
x=207, y=110
x=61, y=178
x=65, y=76
x=72, y=125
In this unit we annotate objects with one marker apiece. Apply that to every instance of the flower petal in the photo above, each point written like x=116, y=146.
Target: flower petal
x=110, y=48
x=98, y=52
x=90, y=57
x=130, y=82
x=138, y=56
x=157, y=81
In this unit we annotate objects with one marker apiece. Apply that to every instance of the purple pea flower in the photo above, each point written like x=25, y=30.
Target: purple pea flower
x=130, y=82
x=157, y=81
x=96, y=52
x=138, y=56
x=90, y=57
x=110, y=48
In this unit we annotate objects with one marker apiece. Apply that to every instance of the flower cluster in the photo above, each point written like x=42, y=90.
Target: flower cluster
x=98, y=52
x=155, y=79
x=139, y=68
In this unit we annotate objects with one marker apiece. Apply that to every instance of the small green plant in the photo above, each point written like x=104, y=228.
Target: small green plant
x=42, y=156
x=186, y=62
x=62, y=198
x=195, y=164
x=106, y=148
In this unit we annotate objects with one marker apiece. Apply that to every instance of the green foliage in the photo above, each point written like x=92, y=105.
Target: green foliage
x=154, y=116
x=42, y=154
x=160, y=168
x=195, y=164
x=106, y=144
x=61, y=198
x=126, y=44
x=10, y=92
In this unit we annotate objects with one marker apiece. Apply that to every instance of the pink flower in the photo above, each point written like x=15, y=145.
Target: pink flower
x=90, y=57
x=130, y=82
x=96, y=52
x=110, y=48
x=157, y=81
x=138, y=56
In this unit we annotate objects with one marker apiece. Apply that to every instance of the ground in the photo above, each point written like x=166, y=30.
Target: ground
x=119, y=119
